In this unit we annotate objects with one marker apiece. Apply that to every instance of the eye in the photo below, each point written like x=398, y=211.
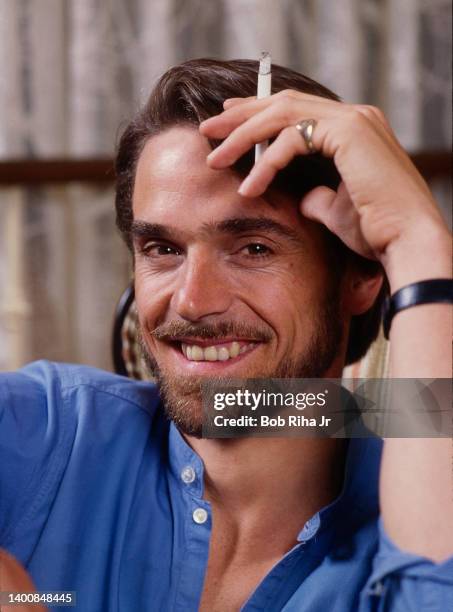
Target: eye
x=153, y=249
x=257, y=249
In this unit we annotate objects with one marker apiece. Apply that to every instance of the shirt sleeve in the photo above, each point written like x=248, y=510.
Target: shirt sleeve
x=403, y=582
x=31, y=428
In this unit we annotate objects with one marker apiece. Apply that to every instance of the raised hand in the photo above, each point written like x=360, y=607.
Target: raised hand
x=383, y=205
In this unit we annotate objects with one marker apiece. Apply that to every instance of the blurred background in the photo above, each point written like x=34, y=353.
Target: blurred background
x=74, y=71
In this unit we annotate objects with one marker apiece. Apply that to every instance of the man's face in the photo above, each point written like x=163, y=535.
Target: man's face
x=225, y=286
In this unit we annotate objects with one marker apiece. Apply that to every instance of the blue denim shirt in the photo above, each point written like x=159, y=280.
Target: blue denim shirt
x=100, y=494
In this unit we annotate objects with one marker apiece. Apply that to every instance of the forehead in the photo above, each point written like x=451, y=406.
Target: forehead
x=175, y=186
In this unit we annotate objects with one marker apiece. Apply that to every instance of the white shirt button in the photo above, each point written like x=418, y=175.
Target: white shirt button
x=188, y=474
x=200, y=516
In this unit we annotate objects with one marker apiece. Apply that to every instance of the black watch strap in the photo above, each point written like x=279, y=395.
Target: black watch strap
x=434, y=291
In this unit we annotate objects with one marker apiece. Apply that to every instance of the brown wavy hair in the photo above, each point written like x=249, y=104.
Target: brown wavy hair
x=194, y=91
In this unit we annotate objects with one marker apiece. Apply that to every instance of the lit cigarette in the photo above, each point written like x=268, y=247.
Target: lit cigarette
x=263, y=91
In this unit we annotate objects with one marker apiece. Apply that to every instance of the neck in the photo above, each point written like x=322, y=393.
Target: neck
x=249, y=476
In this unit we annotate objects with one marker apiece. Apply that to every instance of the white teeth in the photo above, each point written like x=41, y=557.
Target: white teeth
x=234, y=349
x=197, y=353
x=210, y=353
x=223, y=353
x=213, y=353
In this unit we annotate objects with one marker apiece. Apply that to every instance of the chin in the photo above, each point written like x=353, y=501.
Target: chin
x=182, y=392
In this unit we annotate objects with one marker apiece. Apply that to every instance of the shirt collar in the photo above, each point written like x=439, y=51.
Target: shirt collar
x=359, y=497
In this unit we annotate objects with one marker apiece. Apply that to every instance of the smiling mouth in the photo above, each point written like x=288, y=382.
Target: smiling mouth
x=210, y=350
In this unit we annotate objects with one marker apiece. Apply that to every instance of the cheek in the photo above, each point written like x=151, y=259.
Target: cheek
x=280, y=298
x=289, y=299
x=152, y=296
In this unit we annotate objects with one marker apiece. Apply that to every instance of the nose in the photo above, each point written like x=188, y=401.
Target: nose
x=202, y=288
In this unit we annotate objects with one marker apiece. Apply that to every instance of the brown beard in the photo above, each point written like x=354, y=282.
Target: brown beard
x=182, y=395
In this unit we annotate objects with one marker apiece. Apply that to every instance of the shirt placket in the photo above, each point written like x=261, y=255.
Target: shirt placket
x=197, y=534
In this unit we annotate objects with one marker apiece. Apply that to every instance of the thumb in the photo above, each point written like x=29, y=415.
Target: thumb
x=317, y=205
x=335, y=210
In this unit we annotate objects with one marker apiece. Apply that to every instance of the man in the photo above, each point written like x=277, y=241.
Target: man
x=237, y=276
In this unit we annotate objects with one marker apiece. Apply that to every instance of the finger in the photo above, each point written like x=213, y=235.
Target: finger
x=230, y=102
x=221, y=125
x=287, y=145
x=262, y=126
x=287, y=93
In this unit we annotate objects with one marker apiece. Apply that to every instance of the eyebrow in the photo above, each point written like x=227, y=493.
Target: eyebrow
x=241, y=225
x=143, y=229
x=233, y=226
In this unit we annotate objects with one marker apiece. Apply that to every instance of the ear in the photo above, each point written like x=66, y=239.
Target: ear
x=361, y=290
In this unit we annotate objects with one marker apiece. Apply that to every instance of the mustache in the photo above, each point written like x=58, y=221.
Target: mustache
x=221, y=329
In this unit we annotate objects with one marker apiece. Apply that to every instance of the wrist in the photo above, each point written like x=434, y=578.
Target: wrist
x=422, y=254
x=431, y=291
